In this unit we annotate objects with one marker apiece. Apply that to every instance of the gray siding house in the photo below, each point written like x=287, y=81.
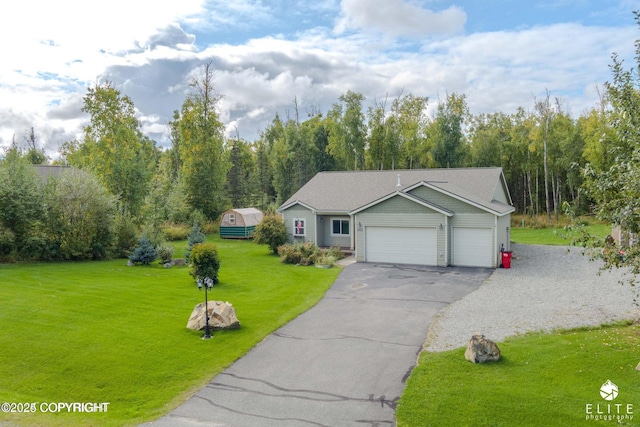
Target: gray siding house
x=437, y=217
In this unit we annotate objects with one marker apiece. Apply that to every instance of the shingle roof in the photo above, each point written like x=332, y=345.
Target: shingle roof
x=347, y=191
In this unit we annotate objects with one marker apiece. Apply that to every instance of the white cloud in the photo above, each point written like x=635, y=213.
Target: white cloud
x=46, y=72
x=510, y=68
x=399, y=18
x=51, y=49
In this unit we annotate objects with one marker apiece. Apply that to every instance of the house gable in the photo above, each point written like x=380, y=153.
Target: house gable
x=442, y=199
x=295, y=203
x=501, y=193
x=299, y=211
x=397, y=205
x=400, y=202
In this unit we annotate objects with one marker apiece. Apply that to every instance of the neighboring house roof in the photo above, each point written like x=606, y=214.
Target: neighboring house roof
x=347, y=192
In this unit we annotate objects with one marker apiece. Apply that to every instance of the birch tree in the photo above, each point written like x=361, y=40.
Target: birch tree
x=347, y=132
x=114, y=149
x=201, y=153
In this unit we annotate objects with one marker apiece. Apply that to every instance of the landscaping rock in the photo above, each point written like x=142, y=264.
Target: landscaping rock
x=130, y=264
x=481, y=349
x=178, y=262
x=222, y=315
x=638, y=367
x=168, y=265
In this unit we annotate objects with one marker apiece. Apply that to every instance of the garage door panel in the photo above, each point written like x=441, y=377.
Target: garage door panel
x=402, y=245
x=473, y=247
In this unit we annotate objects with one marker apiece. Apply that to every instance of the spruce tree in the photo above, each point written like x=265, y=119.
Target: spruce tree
x=196, y=236
x=144, y=253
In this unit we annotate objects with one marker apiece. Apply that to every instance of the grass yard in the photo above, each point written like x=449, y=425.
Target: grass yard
x=552, y=235
x=541, y=380
x=104, y=332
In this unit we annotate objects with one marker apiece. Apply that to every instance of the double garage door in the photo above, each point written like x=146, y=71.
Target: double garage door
x=471, y=247
x=401, y=245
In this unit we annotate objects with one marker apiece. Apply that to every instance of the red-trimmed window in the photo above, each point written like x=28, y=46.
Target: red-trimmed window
x=299, y=227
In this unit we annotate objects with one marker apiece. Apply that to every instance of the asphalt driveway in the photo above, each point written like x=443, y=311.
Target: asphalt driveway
x=342, y=363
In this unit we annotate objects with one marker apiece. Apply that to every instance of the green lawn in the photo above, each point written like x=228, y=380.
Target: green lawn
x=104, y=332
x=541, y=380
x=552, y=236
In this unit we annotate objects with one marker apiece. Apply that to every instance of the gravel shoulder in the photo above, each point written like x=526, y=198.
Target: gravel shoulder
x=546, y=288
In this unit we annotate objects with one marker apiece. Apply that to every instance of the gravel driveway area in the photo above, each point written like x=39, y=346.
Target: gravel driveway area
x=547, y=287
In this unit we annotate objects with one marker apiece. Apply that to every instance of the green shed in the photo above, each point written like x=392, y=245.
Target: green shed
x=239, y=223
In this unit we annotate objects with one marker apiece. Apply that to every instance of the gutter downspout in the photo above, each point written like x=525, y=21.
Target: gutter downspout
x=495, y=242
x=315, y=228
x=446, y=241
x=353, y=233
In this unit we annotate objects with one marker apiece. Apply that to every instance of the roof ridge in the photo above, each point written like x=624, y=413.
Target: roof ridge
x=410, y=170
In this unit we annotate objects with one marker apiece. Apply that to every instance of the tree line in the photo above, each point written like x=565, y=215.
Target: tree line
x=543, y=150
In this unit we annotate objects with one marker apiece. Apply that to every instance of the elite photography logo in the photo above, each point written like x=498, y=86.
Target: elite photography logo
x=609, y=391
x=609, y=411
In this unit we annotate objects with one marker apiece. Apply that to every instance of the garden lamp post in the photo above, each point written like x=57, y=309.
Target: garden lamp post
x=207, y=284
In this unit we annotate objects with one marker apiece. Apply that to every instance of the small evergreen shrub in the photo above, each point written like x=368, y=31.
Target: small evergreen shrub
x=205, y=261
x=196, y=236
x=144, y=253
x=165, y=253
x=272, y=232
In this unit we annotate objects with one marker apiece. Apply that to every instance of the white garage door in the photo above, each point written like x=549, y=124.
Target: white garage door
x=473, y=247
x=401, y=245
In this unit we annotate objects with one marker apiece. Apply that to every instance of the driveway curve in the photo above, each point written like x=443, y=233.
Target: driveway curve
x=343, y=362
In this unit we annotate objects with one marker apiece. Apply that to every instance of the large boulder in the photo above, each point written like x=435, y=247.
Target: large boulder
x=481, y=349
x=222, y=315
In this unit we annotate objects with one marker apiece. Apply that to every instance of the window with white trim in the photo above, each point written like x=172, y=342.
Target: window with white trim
x=340, y=227
x=232, y=219
x=299, y=227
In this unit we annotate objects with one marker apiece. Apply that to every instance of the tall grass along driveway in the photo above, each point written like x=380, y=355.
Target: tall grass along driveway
x=103, y=333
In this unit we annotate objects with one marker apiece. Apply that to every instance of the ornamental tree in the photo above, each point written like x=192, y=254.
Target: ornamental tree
x=205, y=262
x=272, y=232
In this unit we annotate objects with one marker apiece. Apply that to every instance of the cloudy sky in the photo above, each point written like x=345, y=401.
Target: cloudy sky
x=266, y=53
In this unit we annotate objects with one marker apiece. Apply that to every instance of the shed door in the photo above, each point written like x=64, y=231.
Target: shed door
x=401, y=245
x=473, y=247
